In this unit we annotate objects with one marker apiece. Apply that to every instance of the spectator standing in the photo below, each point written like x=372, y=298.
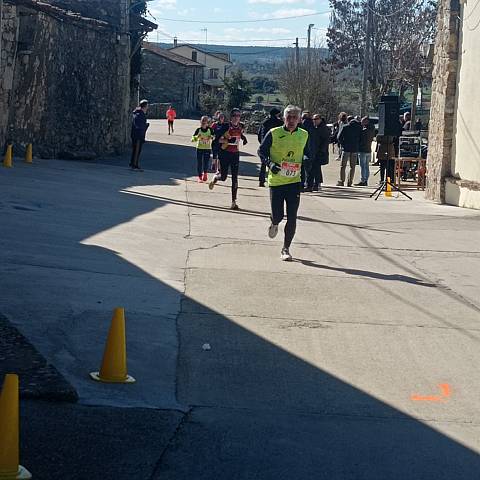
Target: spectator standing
x=138, y=133
x=349, y=139
x=171, y=116
x=386, y=157
x=318, y=142
x=365, y=150
x=342, y=122
x=272, y=121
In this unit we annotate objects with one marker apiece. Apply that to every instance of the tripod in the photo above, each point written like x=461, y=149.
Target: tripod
x=383, y=186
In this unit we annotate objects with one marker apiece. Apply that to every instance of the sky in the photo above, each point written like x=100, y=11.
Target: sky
x=275, y=31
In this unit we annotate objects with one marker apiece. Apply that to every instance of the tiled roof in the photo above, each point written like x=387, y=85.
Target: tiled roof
x=162, y=52
x=221, y=56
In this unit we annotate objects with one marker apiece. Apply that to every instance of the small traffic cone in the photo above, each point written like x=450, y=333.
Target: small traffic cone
x=9, y=431
x=7, y=159
x=29, y=154
x=388, y=188
x=114, y=363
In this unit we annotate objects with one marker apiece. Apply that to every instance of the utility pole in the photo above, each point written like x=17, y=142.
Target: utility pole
x=309, y=36
x=366, y=56
x=297, y=52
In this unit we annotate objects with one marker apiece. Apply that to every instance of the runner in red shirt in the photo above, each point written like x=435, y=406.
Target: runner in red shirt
x=171, y=115
x=229, y=154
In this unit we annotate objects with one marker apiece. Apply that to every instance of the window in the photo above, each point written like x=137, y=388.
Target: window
x=213, y=73
x=194, y=56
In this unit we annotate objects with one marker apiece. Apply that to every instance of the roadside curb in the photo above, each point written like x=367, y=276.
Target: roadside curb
x=38, y=379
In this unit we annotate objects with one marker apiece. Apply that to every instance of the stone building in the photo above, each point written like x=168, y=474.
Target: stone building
x=170, y=78
x=454, y=136
x=65, y=76
x=215, y=65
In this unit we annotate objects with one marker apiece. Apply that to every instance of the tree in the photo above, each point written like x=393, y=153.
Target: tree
x=309, y=84
x=237, y=90
x=399, y=29
x=209, y=102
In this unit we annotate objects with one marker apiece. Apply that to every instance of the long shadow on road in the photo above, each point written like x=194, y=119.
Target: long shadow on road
x=257, y=410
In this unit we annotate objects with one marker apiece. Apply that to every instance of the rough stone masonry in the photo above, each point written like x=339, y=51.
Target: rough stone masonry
x=65, y=76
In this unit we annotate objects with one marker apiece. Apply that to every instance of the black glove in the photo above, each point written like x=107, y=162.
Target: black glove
x=274, y=167
x=245, y=141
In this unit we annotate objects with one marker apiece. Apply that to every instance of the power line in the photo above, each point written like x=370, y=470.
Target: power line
x=391, y=14
x=244, y=41
x=243, y=21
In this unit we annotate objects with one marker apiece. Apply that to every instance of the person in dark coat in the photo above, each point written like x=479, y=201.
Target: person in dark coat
x=306, y=124
x=319, y=140
x=272, y=121
x=138, y=132
x=386, y=156
x=349, y=139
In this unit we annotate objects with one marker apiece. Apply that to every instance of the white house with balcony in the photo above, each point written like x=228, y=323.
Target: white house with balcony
x=215, y=65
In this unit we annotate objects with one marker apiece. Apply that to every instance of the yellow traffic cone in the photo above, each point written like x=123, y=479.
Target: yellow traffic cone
x=388, y=188
x=7, y=160
x=29, y=154
x=9, y=431
x=114, y=363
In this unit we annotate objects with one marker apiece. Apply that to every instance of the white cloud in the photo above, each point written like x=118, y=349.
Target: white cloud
x=260, y=30
x=157, y=8
x=217, y=10
x=275, y=2
x=294, y=12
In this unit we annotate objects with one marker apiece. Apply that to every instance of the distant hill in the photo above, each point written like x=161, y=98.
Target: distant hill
x=251, y=58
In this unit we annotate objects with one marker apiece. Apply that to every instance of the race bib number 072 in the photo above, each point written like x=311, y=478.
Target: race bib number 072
x=290, y=169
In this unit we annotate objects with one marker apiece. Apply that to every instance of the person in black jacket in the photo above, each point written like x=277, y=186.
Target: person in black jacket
x=138, y=132
x=349, y=139
x=272, y=121
x=318, y=142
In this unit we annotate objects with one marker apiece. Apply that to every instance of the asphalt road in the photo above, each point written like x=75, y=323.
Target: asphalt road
x=356, y=361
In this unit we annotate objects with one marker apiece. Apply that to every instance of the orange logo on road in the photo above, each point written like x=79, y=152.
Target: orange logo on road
x=445, y=393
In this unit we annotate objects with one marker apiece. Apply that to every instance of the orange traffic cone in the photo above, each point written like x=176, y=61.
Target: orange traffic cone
x=29, y=154
x=9, y=431
x=114, y=363
x=8, y=158
x=388, y=188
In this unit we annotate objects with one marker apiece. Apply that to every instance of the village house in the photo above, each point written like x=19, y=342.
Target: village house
x=169, y=78
x=215, y=65
x=65, y=76
x=454, y=137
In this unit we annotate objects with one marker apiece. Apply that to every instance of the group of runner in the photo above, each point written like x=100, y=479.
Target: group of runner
x=282, y=150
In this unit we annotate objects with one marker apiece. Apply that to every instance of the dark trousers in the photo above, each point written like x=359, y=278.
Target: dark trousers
x=314, y=174
x=389, y=167
x=289, y=195
x=203, y=158
x=263, y=173
x=136, y=151
x=229, y=160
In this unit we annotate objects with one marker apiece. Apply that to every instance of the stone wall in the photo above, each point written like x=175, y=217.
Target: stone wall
x=166, y=81
x=70, y=88
x=7, y=64
x=442, y=112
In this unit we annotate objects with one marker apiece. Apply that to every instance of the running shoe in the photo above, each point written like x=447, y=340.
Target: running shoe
x=212, y=183
x=205, y=176
x=200, y=179
x=285, y=255
x=234, y=206
x=272, y=230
